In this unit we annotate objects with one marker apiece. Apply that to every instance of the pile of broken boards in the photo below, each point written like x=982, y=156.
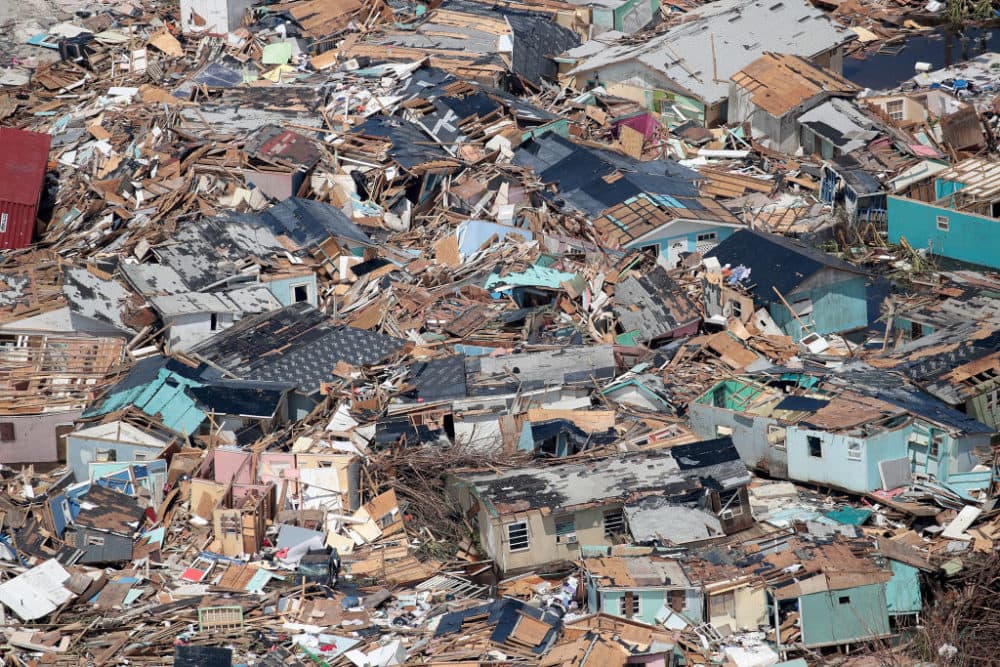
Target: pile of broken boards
x=284, y=296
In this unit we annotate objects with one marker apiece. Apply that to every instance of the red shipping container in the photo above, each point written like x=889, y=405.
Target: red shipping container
x=23, y=159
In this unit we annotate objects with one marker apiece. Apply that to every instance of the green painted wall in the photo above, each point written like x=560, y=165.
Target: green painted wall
x=903, y=590
x=845, y=616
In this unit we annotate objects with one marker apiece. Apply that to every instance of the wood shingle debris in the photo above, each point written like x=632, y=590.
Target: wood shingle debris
x=367, y=332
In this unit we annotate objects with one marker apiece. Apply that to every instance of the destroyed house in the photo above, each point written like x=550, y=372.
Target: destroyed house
x=296, y=345
x=191, y=317
x=771, y=92
x=457, y=112
x=62, y=339
x=625, y=16
x=103, y=525
x=653, y=205
x=478, y=41
x=835, y=597
x=952, y=351
x=641, y=588
x=188, y=403
x=652, y=308
x=845, y=433
x=684, y=72
x=960, y=223
x=533, y=516
x=805, y=291
x=846, y=183
x=115, y=441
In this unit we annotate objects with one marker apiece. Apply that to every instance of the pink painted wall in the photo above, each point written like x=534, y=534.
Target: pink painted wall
x=230, y=463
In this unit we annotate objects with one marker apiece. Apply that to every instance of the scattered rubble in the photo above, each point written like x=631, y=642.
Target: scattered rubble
x=378, y=333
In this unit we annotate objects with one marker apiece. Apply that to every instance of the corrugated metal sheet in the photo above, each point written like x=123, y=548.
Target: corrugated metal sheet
x=23, y=158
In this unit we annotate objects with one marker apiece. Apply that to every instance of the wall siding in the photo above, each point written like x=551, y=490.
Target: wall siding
x=825, y=621
x=970, y=238
x=837, y=306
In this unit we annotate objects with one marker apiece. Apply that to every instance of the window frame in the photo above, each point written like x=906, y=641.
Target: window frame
x=706, y=236
x=560, y=525
x=897, y=114
x=812, y=442
x=942, y=223
x=8, y=432
x=773, y=429
x=636, y=604
x=526, y=537
x=4, y=217
x=934, y=444
x=855, y=450
x=292, y=289
x=727, y=599
x=617, y=520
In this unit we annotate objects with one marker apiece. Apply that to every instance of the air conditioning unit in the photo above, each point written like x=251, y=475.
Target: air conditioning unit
x=725, y=515
x=570, y=539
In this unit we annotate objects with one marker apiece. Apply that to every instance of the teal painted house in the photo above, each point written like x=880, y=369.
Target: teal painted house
x=839, y=596
x=842, y=615
x=803, y=289
x=845, y=431
x=961, y=223
x=641, y=588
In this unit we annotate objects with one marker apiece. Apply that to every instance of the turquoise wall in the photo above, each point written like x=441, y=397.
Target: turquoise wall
x=902, y=592
x=81, y=451
x=691, y=240
x=836, y=469
x=970, y=238
x=651, y=602
x=282, y=288
x=837, y=307
x=840, y=617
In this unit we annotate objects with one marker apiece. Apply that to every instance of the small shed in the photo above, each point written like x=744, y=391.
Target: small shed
x=23, y=159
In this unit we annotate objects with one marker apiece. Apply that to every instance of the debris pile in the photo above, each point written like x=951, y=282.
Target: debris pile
x=383, y=333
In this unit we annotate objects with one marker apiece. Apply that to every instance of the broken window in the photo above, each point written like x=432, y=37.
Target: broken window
x=815, y=446
x=731, y=504
x=854, y=450
x=675, y=600
x=214, y=322
x=94, y=541
x=937, y=439
x=723, y=431
x=300, y=293
x=517, y=536
x=106, y=456
x=776, y=436
x=566, y=530
x=723, y=604
x=993, y=400
x=6, y=431
x=844, y=599
x=614, y=523
x=630, y=605
x=736, y=308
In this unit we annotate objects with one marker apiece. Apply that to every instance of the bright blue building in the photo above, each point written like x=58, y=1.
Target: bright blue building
x=961, y=223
